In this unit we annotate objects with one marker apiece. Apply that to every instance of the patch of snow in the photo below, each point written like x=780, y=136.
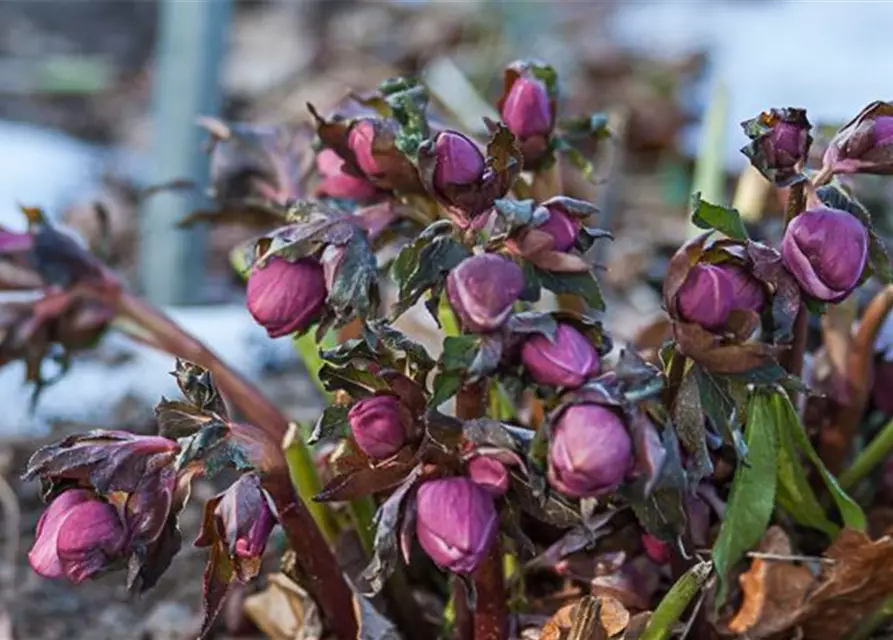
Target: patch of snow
x=92, y=389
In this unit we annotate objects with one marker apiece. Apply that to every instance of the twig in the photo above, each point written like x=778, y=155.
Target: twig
x=784, y=557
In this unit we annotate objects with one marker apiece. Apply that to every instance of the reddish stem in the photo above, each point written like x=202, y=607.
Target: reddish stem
x=793, y=359
x=490, y=617
x=317, y=564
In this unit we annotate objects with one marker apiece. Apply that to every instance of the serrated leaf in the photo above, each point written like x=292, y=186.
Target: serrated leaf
x=583, y=285
x=331, y=424
x=705, y=215
x=423, y=268
x=752, y=497
x=198, y=387
x=215, y=450
x=354, y=291
x=177, y=419
x=720, y=408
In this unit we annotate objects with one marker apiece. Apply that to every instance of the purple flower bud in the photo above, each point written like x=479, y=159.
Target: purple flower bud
x=562, y=228
x=77, y=536
x=590, y=451
x=360, y=140
x=566, y=362
x=458, y=162
x=780, y=143
x=284, y=297
x=786, y=145
x=241, y=519
x=338, y=184
x=527, y=110
x=482, y=290
x=706, y=297
x=490, y=474
x=378, y=425
x=863, y=144
x=712, y=291
x=826, y=251
x=456, y=522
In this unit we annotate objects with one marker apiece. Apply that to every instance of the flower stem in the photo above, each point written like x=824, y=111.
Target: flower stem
x=792, y=361
x=302, y=470
x=316, y=561
x=490, y=618
x=868, y=458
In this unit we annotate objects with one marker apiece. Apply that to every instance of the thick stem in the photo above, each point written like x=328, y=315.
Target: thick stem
x=835, y=438
x=302, y=469
x=325, y=582
x=491, y=614
x=793, y=359
x=318, y=566
x=257, y=408
x=868, y=458
x=490, y=617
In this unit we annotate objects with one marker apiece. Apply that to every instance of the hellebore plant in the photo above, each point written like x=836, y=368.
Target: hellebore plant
x=528, y=436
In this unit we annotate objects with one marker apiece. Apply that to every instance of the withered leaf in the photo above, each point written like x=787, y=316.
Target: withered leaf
x=364, y=482
x=689, y=420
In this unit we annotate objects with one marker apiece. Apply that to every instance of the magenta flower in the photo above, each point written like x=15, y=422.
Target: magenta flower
x=590, y=451
x=360, y=140
x=489, y=473
x=563, y=228
x=527, y=110
x=378, y=425
x=456, y=522
x=565, y=362
x=711, y=292
x=78, y=536
x=482, y=290
x=285, y=297
x=336, y=183
x=826, y=251
x=458, y=162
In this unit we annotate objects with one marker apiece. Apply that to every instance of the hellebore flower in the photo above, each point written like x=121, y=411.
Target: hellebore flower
x=456, y=522
x=458, y=162
x=865, y=144
x=527, y=109
x=826, y=251
x=379, y=425
x=241, y=520
x=490, y=474
x=482, y=290
x=780, y=144
x=566, y=362
x=561, y=227
x=284, y=297
x=711, y=292
x=336, y=183
x=77, y=536
x=360, y=140
x=590, y=451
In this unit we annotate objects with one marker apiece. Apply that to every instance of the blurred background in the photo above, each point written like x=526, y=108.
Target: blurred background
x=98, y=103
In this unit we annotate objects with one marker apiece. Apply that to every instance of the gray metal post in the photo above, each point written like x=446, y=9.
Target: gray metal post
x=191, y=44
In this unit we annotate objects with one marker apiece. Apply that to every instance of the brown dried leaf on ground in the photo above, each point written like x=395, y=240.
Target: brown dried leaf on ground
x=774, y=591
x=610, y=619
x=284, y=611
x=782, y=596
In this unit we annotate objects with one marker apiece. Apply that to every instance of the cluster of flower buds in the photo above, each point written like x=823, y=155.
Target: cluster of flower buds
x=284, y=296
x=380, y=425
x=456, y=522
x=826, y=250
x=590, y=451
x=122, y=497
x=483, y=289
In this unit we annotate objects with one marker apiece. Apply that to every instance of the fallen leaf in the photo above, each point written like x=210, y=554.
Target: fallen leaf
x=284, y=611
x=774, y=591
x=574, y=621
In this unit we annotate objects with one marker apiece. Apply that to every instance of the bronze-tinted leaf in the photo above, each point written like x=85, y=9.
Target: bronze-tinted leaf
x=364, y=482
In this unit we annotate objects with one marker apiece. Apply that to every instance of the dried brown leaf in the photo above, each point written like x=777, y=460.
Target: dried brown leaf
x=284, y=611
x=575, y=621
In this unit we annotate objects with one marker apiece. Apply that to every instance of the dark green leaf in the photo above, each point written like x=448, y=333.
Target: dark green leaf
x=458, y=352
x=179, y=419
x=357, y=382
x=752, y=497
x=531, y=291
x=719, y=407
x=552, y=509
x=331, y=424
x=215, y=450
x=487, y=357
x=487, y=432
x=689, y=419
x=580, y=284
x=434, y=260
x=533, y=322
x=850, y=511
x=444, y=387
x=662, y=512
x=398, y=343
x=387, y=538
x=354, y=291
x=198, y=388
x=711, y=216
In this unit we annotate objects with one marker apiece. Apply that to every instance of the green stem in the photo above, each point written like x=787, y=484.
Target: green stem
x=868, y=626
x=869, y=458
x=302, y=470
x=362, y=514
x=307, y=348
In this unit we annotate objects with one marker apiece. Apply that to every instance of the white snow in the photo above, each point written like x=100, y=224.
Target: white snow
x=92, y=389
